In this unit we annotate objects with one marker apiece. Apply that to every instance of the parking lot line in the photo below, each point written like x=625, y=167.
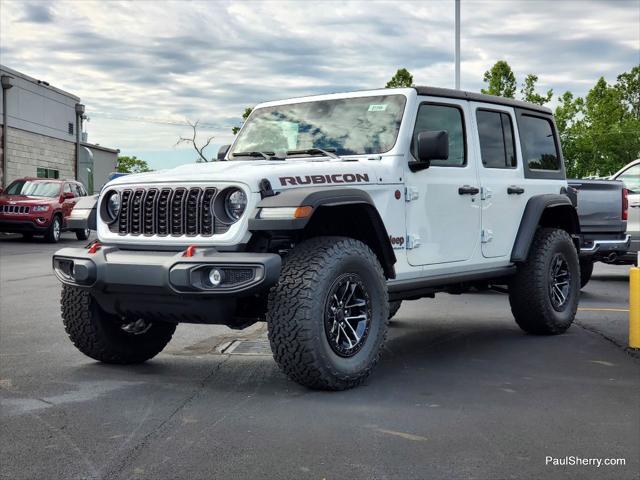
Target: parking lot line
x=603, y=309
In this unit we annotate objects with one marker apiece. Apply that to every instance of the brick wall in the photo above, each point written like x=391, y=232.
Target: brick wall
x=28, y=151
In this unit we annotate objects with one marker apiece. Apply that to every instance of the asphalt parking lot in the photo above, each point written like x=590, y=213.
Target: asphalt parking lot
x=461, y=392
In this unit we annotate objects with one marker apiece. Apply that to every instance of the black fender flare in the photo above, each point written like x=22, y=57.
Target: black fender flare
x=321, y=197
x=533, y=212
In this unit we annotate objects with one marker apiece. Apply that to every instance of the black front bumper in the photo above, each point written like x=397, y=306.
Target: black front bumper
x=21, y=226
x=168, y=285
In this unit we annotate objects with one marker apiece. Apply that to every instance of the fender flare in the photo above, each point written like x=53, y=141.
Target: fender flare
x=321, y=197
x=535, y=208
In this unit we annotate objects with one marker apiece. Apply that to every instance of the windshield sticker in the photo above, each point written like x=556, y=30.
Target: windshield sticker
x=377, y=108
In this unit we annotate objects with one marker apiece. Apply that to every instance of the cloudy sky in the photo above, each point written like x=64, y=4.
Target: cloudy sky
x=145, y=67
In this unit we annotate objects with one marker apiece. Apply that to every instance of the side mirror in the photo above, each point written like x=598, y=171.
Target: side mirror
x=222, y=152
x=67, y=195
x=430, y=145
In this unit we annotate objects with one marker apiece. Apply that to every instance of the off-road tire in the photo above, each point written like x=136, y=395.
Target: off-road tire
x=52, y=236
x=529, y=289
x=394, y=306
x=296, y=313
x=586, y=270
x=83, y=234
x=99, y=336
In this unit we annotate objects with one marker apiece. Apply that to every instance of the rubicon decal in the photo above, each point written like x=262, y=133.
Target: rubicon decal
x=319, y=179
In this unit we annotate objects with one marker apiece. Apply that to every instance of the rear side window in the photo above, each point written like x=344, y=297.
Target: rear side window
x=442, y=117
x=495, y=131
x=631, y=179
x=539, y=148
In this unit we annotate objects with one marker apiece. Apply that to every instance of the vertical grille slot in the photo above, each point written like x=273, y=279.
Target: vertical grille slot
x=123, y=220
x=193, y=211
x=148, y=211
x=136, y=212
x=206, y=217
x=163, y=211
x=177, y=211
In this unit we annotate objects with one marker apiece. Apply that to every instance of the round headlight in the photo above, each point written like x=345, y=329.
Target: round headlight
x=234, y=204
x=113, y=205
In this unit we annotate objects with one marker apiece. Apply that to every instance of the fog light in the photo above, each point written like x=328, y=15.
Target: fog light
x=215, y=277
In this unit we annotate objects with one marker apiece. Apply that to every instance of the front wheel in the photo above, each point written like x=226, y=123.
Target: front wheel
x=107, y=338
x=54, y=231
x=545, y=291
x=328, y=314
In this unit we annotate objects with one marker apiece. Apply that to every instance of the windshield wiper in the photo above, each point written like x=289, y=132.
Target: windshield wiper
x=266, y=155
x=329, y=152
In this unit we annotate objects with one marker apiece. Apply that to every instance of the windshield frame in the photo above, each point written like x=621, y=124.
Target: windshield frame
x=316, y=99
x=25, y=181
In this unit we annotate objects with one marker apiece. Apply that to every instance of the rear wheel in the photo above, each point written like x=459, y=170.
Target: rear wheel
x=107, y=338
x=83, y=234
x=586, y=270
x=328, y=314
x=54, y=231
x=545, y=291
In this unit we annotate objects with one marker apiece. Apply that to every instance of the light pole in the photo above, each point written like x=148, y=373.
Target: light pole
x=6, y=85
x=457, y=55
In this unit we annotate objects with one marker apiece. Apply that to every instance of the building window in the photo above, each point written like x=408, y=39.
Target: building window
x=70, y=128
x=48, y=173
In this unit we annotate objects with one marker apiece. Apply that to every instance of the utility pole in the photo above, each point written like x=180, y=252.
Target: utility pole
x=457, y=55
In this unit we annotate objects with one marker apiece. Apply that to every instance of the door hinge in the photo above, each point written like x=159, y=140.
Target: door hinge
x=486, y=236
x=411, y=193
x=485, y=193
x=413, y=241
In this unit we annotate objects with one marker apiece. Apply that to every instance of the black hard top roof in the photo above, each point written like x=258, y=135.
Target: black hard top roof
x=480, y=97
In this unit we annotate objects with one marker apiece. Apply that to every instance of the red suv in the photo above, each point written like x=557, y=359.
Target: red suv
x=40, y=206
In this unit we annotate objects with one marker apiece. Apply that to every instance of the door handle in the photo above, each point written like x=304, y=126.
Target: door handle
x=468, y=190
x=513, y=190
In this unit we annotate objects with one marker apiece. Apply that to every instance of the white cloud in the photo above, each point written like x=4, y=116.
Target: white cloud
x=139, y=64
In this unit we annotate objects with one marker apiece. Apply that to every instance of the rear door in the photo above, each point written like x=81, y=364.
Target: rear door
x=443, y=201
x=504, y=194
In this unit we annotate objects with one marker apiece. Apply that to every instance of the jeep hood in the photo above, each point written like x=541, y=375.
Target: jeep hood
x=281, y=174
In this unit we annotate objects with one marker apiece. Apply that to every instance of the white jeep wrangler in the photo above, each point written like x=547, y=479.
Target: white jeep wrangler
x=323, y=215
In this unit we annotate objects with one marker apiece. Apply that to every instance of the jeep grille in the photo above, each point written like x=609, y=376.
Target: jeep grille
x=167, y=211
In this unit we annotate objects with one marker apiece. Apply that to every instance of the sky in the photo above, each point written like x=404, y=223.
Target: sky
x=145, y=68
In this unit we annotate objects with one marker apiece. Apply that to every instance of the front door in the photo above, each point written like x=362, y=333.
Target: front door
x=504, y=196
x=443, y=201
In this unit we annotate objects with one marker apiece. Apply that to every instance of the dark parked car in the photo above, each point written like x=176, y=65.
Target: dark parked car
x=39, y=206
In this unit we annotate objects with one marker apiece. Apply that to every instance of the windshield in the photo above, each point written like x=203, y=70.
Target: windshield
x=34, y=188
x=346, y=126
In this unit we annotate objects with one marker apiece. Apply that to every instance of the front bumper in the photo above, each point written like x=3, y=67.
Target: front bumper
x=22, y=226
x=168, y=285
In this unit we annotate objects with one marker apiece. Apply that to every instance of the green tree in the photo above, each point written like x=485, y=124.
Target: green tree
x=245, y=115
x=529, y=91
x=402, y=78
x=132, y=164
x=500, y=80
x=600, y=133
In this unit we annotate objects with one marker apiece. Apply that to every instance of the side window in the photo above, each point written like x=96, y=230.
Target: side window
x=631, y=179
x=497, y=147
x=539, y=149
x=77, y=190
x=67, y=188
x=443, y=117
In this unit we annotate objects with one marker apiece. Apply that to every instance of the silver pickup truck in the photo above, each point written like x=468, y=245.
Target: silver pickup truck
x=603, y=211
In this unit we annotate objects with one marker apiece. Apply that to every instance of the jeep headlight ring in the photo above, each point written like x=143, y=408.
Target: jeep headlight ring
x=112, y=204
x=229, y=205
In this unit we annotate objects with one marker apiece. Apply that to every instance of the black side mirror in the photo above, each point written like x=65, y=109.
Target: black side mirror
x=222, y=152
x=430, y=145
